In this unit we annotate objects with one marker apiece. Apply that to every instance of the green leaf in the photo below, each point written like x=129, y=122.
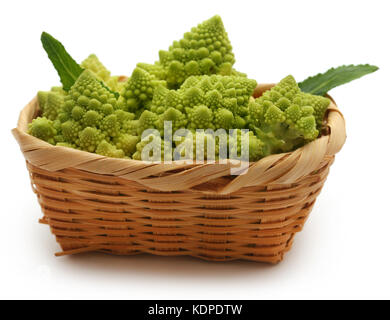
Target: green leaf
x=68, y=69
x=321, y=83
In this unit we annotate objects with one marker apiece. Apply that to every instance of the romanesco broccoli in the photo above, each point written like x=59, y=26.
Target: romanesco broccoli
x=86, y=116
x=107, y=149
x=204, y=50
x=193, y=87
x=90, y=118
x=283, y=117
x=50, y=102
x=226, y=98
x=93, y=64
x=43, y=128
x=138, y=90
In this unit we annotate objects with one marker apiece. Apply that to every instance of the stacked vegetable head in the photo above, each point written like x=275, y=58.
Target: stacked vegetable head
x=204, y=50
x=193, y=87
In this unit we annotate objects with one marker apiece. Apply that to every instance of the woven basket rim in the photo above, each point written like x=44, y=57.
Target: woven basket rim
x=291, y=166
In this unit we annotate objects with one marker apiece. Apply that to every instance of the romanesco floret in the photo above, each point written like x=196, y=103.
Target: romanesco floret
x=319, y=104
x=283, y=118
x=160, y=99
x=226, y=96
x=66, y=144
x=50, y=102
x=70, y=130
x=89, y=138
x=206, y=49
x=255, y=147
x=204, y=145
x=87, y=94
x=138, y=90
x=85, y=117
x=109, y=150
x=147, y=120
x=175, y=116
x=43, y=128
x=130, y=127
x=42, y=99
x=127, y=143
x=91, y=118
x=59, y=90
x=200, y=117
x=110, y=126
x=123, y=116
x=156, y=153
x=53, y=105
x=229, y=92
x=93, y=64
x=199, y=145
x=236, y=146
x=224, y=119
x=156, y=70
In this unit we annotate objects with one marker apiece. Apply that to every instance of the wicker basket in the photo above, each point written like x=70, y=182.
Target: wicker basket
x=119, y=206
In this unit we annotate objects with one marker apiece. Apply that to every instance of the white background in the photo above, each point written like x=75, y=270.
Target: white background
x=343, y=251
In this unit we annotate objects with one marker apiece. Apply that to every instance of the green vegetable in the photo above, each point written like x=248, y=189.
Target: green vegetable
x=88, y=115
x=109, y=150
x=204, y=50
x=285, y=118
x=90, y=118
x=209, y=101
x=50, y=102
x=138, y=90
x=93, y=64
x=321, y=83
x=43, y=128
x=194, y=87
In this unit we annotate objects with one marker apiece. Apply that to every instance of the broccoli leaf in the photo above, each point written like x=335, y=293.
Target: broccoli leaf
x=321, y=83
x=68, y=69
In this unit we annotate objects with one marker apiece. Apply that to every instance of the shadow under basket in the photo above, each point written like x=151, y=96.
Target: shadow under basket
x=125, y=207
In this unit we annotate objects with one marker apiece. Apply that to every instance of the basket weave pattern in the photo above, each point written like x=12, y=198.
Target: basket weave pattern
x=121, y=206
